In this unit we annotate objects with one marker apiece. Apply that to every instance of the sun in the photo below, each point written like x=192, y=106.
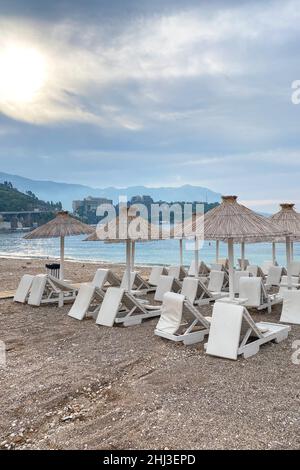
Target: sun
x=22, y=73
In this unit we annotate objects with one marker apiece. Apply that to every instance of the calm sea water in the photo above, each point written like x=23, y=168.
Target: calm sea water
x=148, y=253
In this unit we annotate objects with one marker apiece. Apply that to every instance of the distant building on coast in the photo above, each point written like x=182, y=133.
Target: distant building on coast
x=86, y=209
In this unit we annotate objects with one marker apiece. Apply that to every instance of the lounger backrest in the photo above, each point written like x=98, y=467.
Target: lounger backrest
x=291, y=307
x=190, y=309
x=250, y=289
x=174, y=271
x=225, y=330
x=124, y=282
x=274, y=276
x=165, y=284
x=295, y=268
x=252, y=269
x=216, y=267
x=100, y=278
x=37, y=289
x=23, y=288
x=190, y=288
x=216, y=281
x=203, y=269
x=110, y=306
x=156, y=272
x=82, y=302
x=266, y=266
x=237, y=277
x=228, y=323
x=171, y=313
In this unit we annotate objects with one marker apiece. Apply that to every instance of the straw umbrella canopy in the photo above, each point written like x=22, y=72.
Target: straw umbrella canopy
x=63, y=225
x=233, y=222
x=127, y=228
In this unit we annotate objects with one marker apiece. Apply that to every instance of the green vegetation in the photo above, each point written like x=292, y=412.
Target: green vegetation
x=13, y=200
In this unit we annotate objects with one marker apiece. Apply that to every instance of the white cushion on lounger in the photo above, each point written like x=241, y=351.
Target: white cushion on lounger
x=174, y=271
x=165, y=284
x=216, y=280
x=100, y=278
x=23, y=288
x=252, y=269
x=225, y=330
x=171, y=313
x=82, y=301
x=291, y=307
x=189, y=288
x=295, y=268
x=110, y=306
x=237, y=277
x=37, y=289
x=124, y=283
x=155, y=274
x=274, y=276
x=250, y=289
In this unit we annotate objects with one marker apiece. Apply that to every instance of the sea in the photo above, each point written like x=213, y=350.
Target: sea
x=164, y=252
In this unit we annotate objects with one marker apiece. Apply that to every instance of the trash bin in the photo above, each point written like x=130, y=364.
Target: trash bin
x=53, y=269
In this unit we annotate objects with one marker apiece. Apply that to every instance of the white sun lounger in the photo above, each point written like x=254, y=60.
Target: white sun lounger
x=266, y=266
x=291, y=307
x=197, y=292
x=138, y=285
x=120, y=306
x=23, y=289
x=48, y=289
x=178, y=272
x=217, y=280
x=87, y=302
x=236, y=280
x=274, y=276
x=156, y=272
x=284, y=284
x=233, y=332
x=181, y=321
x=254, y=292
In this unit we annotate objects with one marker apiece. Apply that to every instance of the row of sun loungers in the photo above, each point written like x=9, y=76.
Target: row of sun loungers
x=177, y=299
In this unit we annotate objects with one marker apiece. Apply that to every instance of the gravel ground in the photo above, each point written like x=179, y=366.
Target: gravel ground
x=75, y=385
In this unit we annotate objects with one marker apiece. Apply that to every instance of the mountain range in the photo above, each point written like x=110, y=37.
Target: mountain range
x=67, y=192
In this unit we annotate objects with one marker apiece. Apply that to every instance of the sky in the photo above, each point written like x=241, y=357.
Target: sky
x=128, y=92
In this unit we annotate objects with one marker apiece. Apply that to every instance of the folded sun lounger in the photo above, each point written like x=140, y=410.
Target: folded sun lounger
x=88, y=301
x=181, y=321
x=23, y=289
x=274, y=276
x=178, y=272
x=233, y=332
x=156, y=272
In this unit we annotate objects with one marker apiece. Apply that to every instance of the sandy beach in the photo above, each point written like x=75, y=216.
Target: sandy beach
x=75, y=385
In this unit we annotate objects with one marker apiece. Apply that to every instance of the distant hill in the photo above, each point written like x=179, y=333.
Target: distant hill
x=66, y=193
x=13, y=200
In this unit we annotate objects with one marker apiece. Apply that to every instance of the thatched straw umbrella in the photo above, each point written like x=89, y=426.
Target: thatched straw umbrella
x=126, y=228
x=64, y=225
x=233, y=222
x=289, y=219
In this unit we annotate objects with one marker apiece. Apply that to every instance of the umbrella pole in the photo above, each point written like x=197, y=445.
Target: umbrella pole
x=62, y=257
x=128, y=263
x=274, y=253
x=181, y=252
x=243, y=256
x=217, y=251
x=132, y=255
x=288, y=261
x=292, y=251
x=231, y=270
x=196, y=258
